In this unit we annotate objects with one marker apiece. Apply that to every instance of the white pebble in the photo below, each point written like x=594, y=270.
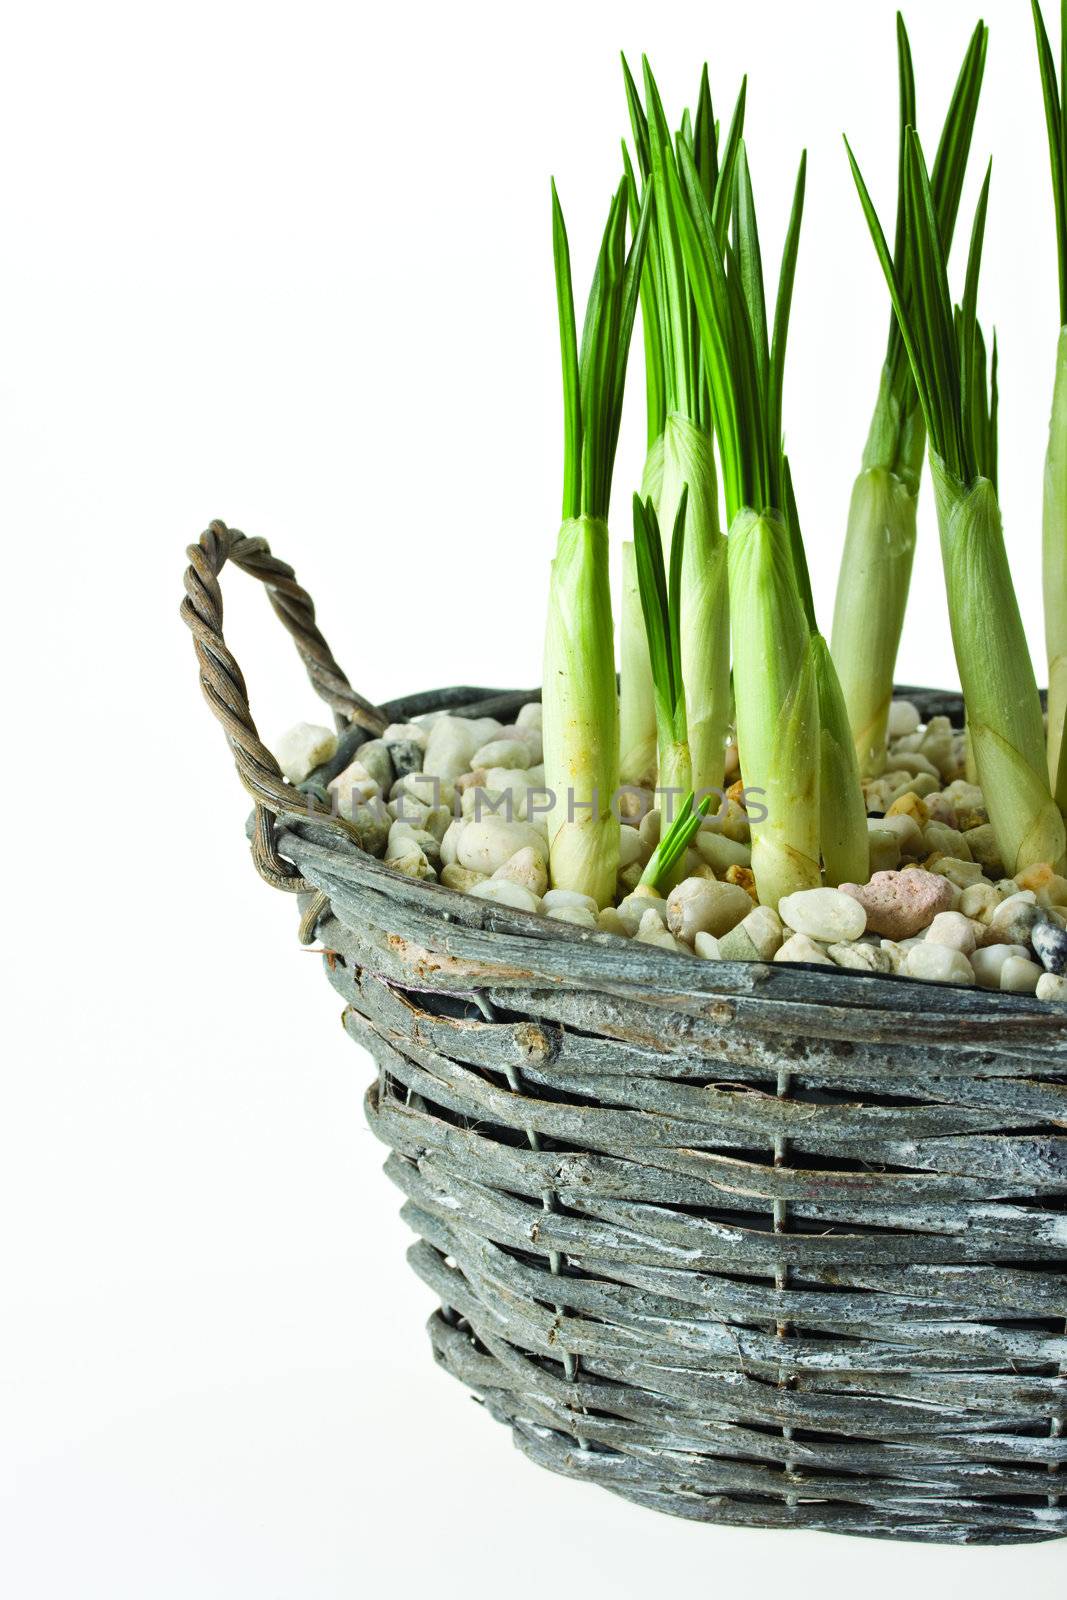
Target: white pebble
x=580, y=916
x=1050, y=986
x=914, y=763
x=530, y=737
x=861, y=957
x=720, y=852
x=979, y=901
x=937, y=963
x=556, y=899
x=897, y=956
x=702, y=905
x=413, y=864
x=989, y=961
x=635, y=907
x=405, y=733
x=707, y=946
x=964, y=796
x=483, y=729
x=450, y=841
x=502, y=753
x=302, y=748
x=909, y=835
x=884, y=847
x=801, y=948
x=460, y=878
x=963, y=874
x=948, y=841
x=505, y=893
x=449, y=748
x=764, y=928
x=953, y=929
x=426, y=789
x=352, y=788
x=824, y=914
x=650, y=930
x=525, y=867
x=487, y=845
x=529, y=715
x=1019, y=975
x=903, y=718
x=631, y=848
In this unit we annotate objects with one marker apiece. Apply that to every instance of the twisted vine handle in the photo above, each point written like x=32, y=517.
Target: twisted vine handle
x=223, y=682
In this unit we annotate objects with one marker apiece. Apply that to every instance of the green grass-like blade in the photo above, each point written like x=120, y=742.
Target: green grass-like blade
x=655, y=604
x=674, y=596
x=750, y=262
x=929, y=281
x=679, y=364
x=638, y=122
x=1056, y=125
x=722, y=204
x=633, y=278
x=661, y=606
x=946, y=182
x=707, y=281
x=572, y=410
x=676, y=841
x=973, y=400
x=602, y=357
x=786, y=280
x=595, y=358
x=908, y=119
x=901, y=308
x=796, y=539
x=950, y=161
x=706, y=138
x=652, y=332
x=1061, y=771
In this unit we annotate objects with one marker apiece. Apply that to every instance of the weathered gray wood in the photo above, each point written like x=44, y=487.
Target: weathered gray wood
x=753, y=1244
x=533, y=1047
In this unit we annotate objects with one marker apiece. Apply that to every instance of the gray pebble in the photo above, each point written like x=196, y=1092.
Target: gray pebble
x=374, y=755
x=1050, y=947
x=406, y=756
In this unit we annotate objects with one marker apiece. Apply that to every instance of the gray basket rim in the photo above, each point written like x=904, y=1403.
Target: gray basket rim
x=332, y=863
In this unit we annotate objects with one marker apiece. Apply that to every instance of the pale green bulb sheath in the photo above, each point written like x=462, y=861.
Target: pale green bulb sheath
x=1054, y=564
x=637, y=700
x=875, y=572
x=843, y=830
x=872, y=596
x=581, y=728
x=581, y=717
x=1003, y=710
x=705, y=609
x=843, y=834
x=1061, y=771
x=777, y=705
x=661, y=608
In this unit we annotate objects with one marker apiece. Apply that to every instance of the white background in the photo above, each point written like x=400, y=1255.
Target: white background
x=291, y=266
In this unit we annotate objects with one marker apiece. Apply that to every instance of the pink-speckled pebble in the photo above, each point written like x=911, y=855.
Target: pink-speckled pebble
x=900, y=904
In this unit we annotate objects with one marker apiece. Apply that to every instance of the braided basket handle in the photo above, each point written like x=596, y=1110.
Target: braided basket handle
x=224, y=686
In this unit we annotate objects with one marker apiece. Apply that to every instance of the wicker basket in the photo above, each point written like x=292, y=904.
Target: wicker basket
x=772, y=1246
